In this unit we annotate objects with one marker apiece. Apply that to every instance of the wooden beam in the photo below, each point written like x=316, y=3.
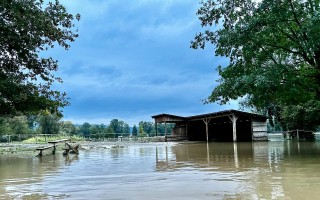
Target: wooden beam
x=251, y=124
x=165, y=130
x=206, y=121
x=156, y=126
x=210, y=117
x=187, y=131
x=233, y=119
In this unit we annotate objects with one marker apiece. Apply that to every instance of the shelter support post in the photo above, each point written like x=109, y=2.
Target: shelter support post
x=165, y=130
x=233, y=119
x=252, y=135
x=156, y=126
x=206, y=121
x=187, y=131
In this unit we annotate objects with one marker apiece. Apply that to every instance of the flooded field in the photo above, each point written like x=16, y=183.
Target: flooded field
x=259, y=170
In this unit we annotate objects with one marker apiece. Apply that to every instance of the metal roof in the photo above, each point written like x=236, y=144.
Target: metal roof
x=212, y=115
x=167, y=115
x=226, y=113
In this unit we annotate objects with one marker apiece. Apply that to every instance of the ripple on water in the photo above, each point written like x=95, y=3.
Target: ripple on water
x=186, y=171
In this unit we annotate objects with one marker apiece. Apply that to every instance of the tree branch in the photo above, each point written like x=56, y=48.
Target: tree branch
x=297, y=20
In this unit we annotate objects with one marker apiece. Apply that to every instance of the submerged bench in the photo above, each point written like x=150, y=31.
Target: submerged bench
x=58, y=141
x=44, y=148
x=54, y=144
x=71, y=149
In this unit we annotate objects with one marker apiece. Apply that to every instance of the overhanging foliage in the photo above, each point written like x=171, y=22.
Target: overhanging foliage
x=28, y=28
x=274, y=52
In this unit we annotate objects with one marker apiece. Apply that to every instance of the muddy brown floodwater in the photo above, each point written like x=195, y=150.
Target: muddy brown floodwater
x=259, y=170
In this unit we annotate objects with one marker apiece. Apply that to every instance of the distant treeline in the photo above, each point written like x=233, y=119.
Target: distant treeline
x=118, y=127
x=47, y=123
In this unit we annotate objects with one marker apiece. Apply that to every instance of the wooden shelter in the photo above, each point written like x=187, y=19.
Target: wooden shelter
x=229, y=125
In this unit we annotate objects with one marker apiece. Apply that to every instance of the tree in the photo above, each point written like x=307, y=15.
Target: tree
x=102, y=127
x=109, y=129
x=126, y=128
x=114, y=125
x=148, y=127
x=85, y=129
x=27, y=29
x=31, y=121
x=102, y=130
x=98, y=131
x=94, y=129
x=134, y=130
x=141, y=131
x=48, y=123
x=110, y=132
x=19, y=125
x=274, y=56
x=15, y=125
x=67, y=128
x=119, y=126
x=162, y=128
x=5, y=126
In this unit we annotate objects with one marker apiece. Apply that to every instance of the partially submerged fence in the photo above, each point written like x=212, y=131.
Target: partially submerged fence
x=25, y=137
x=128, y=139
x=44, y=138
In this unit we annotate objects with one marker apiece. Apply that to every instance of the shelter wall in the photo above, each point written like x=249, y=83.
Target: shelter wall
x=220, y=129
x=259, y=130
x=244, y=131
x=179, y=130
x=196, y=131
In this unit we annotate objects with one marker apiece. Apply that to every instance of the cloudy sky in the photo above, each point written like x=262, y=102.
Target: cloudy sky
x=132, y=60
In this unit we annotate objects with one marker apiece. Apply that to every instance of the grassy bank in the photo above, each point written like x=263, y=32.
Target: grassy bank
x=29, y=146
x=46, y=139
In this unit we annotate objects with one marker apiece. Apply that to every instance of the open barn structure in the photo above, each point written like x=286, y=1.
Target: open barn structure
x=229, y=125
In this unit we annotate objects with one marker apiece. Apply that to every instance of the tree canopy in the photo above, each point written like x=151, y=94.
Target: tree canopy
x=134, y=130
x=273, y=49
x=48, y=123
x=28, y=28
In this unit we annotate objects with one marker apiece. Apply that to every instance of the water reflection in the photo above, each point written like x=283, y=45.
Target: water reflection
x=21, y=176
x=208, y=155
x=259, y=170
x=270, y=170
